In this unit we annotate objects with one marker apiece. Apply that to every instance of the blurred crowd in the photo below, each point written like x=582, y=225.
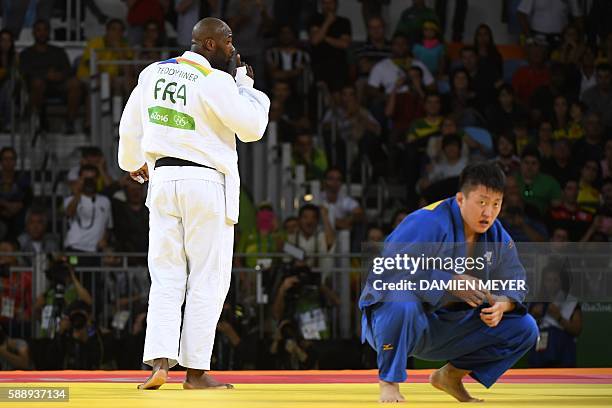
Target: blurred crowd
x=414, y=107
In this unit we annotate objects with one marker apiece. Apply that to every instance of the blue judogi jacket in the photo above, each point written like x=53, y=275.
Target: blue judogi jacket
x=434, y=231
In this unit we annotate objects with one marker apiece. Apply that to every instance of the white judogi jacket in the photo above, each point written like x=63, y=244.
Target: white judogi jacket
x=184, y=108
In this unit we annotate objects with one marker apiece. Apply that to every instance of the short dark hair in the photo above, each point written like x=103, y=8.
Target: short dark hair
x=89, y=151
x=484, y=173
x=88, y=167
x=531, y=151
x=453, y=138
x=8, y=149
x=43, y=22
x=332, y=169
x=309, y=207
x=468, y=48
x=115, y=21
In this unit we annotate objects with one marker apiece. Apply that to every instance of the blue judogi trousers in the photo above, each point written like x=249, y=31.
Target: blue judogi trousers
x=397, y=330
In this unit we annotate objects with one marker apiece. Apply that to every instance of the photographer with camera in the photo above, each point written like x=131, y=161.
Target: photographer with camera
x=304, y=299
x=79, y=344
x=89, y=215
x=289, y=349
x=64, y=288
x=14, y=353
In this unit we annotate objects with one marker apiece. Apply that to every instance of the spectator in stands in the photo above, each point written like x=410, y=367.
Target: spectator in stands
x=484, y=77
x=290, y=226
x=330, y=37
x=588, y=194
x=110, y=47
x=422, y=128
x=251, y=22
x=15, y=193
x=375, y=49
x=9, y=63
x=47, y=72
x=506, y=158
x=560, y=117
x=532, y=76
x=602, y=223
x=312, y=240
x=537, y=188
x=431, y=50
x=345, y=213
x=544, y=20
x=357, y=130
x=598, y=98
x=592, y=145
x=449, y=127
x=606, y=163
x=560, y=165
x=450, y=165
x=521, y=226
x=131, y=219
x=462, y=99
x=287, y=62
x=542, y=100
x=306, y=154
x=14, y=353
x=16, y=291
x=559, y=319
x=587, y=70
x=412, y=19
x=545, y=138
x=151, y=38
x=522, y=137
x=575, y=130
x=404, y=103
x=505, y=112
x=572, y=46
x=140, y=13
x=487, y=51
x=285, y=94
x=89, y=216
x=265, y=239
x=91, y=156
x=386, y=73
x=568, y=214
x=35, y=238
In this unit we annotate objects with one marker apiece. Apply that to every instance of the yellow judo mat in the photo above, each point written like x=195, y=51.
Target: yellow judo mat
x=521, y=390
x=113, y=395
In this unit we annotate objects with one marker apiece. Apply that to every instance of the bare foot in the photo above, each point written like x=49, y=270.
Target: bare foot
x=389, y=392
x=448, y=379
x=158, y=377
x=198, y=380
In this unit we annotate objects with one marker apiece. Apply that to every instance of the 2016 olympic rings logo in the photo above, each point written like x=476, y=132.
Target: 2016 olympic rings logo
x=180, y=121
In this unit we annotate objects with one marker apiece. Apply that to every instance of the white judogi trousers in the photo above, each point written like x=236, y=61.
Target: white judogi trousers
x=190, y=258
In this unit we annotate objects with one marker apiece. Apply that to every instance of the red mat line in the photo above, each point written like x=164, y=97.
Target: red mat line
x=551, y=376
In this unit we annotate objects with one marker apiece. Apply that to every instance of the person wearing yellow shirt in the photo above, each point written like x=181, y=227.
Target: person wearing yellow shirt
x=110, y=47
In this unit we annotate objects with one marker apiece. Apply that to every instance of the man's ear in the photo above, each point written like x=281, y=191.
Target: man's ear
x=210, y=44
x=459, y=196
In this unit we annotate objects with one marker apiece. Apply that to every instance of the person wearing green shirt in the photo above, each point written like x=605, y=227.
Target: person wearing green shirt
x=312, y=158
x=265, y=239
x=537, y=189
